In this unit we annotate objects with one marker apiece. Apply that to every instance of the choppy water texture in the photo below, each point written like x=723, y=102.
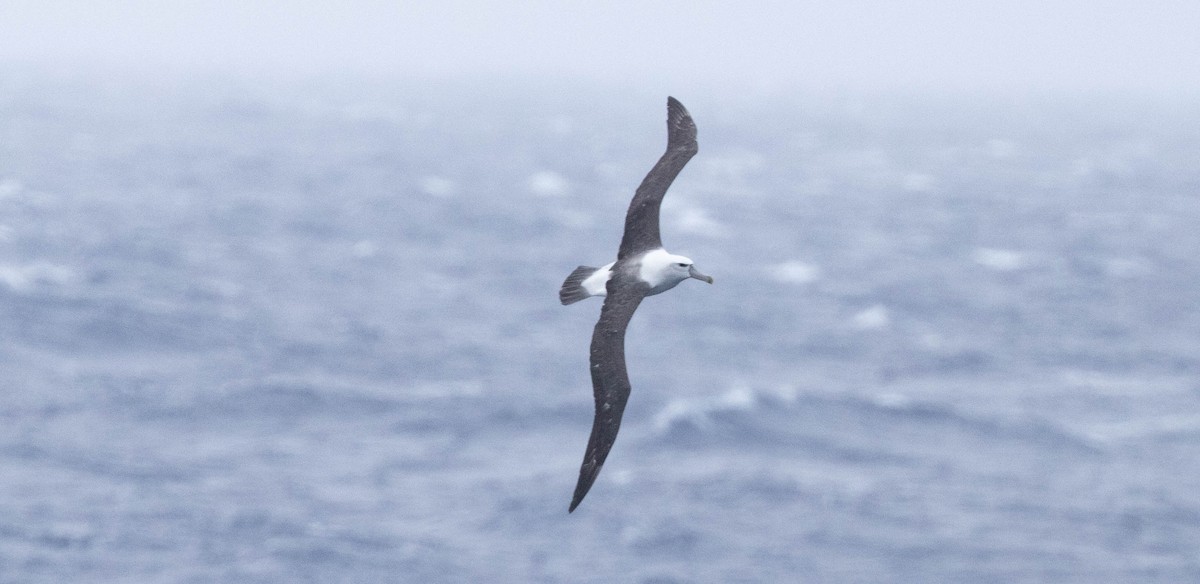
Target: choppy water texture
x=309, y=333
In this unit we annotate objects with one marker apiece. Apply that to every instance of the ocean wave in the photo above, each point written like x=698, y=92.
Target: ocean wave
x=25, y=278
x=1154, y=428
x=846, y=425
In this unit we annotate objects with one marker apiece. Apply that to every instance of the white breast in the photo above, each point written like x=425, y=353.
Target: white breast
x=653, y=268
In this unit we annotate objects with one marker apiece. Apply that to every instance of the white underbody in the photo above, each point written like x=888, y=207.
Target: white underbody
x=657, y=267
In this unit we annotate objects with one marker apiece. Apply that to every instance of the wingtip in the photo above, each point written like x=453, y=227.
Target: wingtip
x=675, y=107
x=681, y=130
x=581, y=490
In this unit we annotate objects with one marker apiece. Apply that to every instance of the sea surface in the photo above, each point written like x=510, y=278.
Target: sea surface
x=308, y=331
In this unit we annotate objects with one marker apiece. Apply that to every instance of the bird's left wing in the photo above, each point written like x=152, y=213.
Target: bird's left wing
x=641, y=220
x=610, y=380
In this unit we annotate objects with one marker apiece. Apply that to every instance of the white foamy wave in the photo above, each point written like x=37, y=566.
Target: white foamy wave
x=27, y=277
x=1000, y=260
x=9, y=187
x=873, y=318
x=1168, y=425
x=694, y=220
x=794, y=272
x=696, y=412
x=892, y=401
x=365, y=249
x=437, y=186
x=547, y=183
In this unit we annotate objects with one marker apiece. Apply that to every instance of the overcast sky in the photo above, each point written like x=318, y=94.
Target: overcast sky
x=954, y=45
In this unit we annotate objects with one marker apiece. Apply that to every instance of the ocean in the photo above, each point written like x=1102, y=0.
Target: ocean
x=308, y=331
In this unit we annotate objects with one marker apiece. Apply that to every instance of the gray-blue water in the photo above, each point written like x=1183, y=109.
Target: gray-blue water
x=309, y=332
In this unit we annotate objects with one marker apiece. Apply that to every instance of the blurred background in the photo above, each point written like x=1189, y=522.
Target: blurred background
x=278, y=292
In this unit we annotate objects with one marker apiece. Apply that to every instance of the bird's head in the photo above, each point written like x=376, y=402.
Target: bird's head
x=682, y=268
x=663, y=271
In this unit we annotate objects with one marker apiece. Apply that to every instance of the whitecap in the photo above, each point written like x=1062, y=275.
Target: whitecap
x=696, y=412
x=10, y=187
x=27, y=277
x=547, y=183
x=437, y=186
x=693, y=220
x=365, y=249
x=1155, y=427
x=873, y=318
x=892, y=401
x=794, y=272
x=1000, y=260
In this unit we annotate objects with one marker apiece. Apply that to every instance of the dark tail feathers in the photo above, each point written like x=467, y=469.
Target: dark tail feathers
x=572, y=289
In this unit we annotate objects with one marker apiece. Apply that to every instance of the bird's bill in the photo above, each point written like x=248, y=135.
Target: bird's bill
x=694, y=273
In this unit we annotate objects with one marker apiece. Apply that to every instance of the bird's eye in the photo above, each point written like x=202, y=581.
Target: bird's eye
x=682, y=265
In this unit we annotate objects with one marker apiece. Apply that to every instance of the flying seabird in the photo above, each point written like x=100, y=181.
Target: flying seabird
x=643, y=268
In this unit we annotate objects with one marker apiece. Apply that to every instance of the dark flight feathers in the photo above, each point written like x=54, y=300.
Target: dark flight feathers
x=641, y=221
x=610, y=380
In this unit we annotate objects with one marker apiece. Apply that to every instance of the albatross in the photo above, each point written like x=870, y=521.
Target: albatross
x=643, y=268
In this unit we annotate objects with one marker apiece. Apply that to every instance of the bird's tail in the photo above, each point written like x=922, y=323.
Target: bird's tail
x=572, y=290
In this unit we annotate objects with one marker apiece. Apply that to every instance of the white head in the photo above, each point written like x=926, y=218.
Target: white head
x=663, y=271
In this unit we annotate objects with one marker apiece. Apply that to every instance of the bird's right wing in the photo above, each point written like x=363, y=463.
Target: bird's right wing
x=610, y=380
x=641, y=220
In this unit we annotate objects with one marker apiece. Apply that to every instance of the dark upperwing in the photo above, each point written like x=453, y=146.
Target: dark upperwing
x=641, y=221
x=610, y=380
